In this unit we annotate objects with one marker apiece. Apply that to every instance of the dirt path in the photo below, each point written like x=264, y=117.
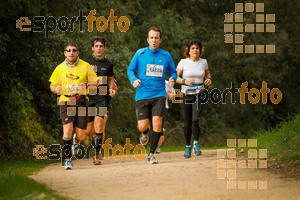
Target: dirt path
x=173, y=178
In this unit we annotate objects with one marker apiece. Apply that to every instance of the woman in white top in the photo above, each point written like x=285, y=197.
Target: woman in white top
x=193, y=69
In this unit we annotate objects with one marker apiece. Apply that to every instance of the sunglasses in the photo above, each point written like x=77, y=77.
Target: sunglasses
x=69, y=50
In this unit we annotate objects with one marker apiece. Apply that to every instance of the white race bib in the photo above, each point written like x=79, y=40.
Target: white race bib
x=72, y=89
x=155, y=70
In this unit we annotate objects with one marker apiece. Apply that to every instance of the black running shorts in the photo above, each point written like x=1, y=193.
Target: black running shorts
x=146, y=108
x=101, y=105
x=74, y=113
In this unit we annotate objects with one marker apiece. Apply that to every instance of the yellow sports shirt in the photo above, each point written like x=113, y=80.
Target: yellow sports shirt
x=70, y=77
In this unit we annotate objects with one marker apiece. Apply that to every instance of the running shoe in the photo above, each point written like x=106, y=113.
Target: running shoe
x=152, y=159
x=187, y=153
x=75, y=149
x=100, y=156
x=88, y=139
x=158, y=149
x=96, y=160
x=68, y=164
x=196, y=149
x=144, y=138
x=75, y=146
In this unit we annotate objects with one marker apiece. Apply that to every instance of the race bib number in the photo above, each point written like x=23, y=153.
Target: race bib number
x=72, y=89
x=155, y=70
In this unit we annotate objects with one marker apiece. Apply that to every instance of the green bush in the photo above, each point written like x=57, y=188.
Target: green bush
x=282, y=142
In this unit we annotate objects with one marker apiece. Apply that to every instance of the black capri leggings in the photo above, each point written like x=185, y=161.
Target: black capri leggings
x=191, y=110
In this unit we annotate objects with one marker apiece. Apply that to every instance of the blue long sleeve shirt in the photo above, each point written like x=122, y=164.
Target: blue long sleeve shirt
x=148, y=62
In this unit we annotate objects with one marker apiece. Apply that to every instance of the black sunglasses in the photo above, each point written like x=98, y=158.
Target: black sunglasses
x=69, y=50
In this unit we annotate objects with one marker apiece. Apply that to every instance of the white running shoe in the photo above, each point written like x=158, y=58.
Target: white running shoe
x=144, y=138
x=75, y=147
x=152, y=159
x=158, y=149
x=196, y=150
x=68, y=164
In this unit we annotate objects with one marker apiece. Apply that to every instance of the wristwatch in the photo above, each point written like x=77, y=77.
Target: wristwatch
x=183, y=81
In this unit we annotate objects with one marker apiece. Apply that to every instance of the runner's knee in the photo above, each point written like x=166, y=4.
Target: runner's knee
x=89, y=128
x=68, y=129
x=80, y=133
x=98, y=122
x=143, y=125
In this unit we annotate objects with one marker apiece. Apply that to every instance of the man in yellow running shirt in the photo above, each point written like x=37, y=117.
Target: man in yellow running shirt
x=72, y=80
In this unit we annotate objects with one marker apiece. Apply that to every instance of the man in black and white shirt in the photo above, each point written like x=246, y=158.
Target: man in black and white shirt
x=99, y=100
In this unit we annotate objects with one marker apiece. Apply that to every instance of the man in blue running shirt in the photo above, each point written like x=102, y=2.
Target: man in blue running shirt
x=151, y=64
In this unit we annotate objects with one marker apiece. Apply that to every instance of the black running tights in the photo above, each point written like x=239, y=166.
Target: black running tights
x=191, y=110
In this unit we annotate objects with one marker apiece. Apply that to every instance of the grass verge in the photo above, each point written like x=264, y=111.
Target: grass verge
x=282, y=142
x=14, y=183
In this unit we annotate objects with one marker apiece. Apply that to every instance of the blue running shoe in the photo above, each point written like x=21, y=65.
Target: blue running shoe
x=187, y=153
x=75, y=147
x=196, y=149
x=96, y=160
x=100, y=156
x=68, y=164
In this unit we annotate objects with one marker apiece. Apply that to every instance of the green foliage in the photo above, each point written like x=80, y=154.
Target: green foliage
x=25, y=103
x=29, y=113
x=14, y=183
x=23, y=123
x=282, y=142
